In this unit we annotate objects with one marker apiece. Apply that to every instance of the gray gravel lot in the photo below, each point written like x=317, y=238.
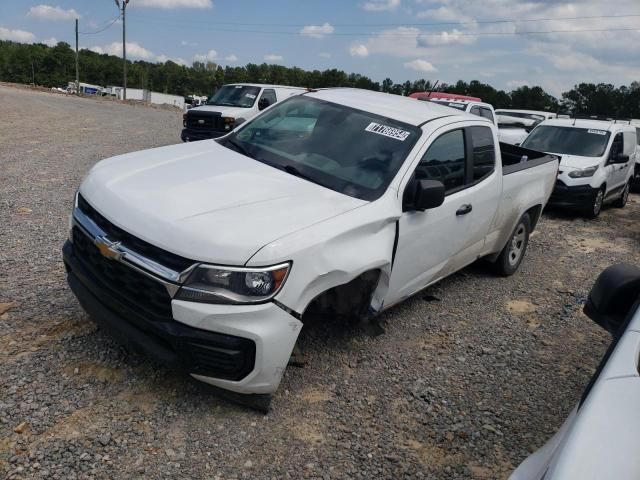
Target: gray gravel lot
x=469, y=378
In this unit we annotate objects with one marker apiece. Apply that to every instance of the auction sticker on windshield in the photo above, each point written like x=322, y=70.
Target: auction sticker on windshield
x=597, y=132
x=387, y=131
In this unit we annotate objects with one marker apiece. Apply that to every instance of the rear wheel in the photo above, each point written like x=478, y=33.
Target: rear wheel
x=513, y=252
x=622, y=201
x=596, y=205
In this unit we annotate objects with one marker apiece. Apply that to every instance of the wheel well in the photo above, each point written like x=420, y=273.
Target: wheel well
x=350, y=299
x=534, y=215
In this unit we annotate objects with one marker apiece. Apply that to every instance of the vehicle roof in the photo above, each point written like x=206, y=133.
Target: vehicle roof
x=264, y=85
x=609, y=125
x=403, y=109
x=456, y=100
x=519, y=110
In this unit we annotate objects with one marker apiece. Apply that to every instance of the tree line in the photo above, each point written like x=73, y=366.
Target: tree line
x=55, y=66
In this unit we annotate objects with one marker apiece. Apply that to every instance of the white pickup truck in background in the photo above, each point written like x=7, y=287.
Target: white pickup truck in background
x=597, y=161
x=229, y=107
x=207, y=255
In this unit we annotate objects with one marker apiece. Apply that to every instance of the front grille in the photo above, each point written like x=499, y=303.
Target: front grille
x=116, y=234
x=128, y=286
x=560, y=183
x=205, y=121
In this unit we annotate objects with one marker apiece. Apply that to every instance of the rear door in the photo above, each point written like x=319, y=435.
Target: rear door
x=439, y=241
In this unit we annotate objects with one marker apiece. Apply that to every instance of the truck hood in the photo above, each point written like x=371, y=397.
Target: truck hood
x=577, y=162
x=234, y=112
x=205, y=202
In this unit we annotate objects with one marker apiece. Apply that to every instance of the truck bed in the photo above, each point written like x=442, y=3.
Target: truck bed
x=516, y=158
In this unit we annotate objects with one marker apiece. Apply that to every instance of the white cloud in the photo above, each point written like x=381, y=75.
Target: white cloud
x=231, y=58
x=317, y=31
x=16, y=35
x=359, y=50
x=420, y=66
x=455, y=37
x=47, y=12
x=134, y=50
x=380, y=5
x=324, y=55
x=186, y=43
x=210, y=56
x=273, y=58
x=173, y=4
x=51, y=42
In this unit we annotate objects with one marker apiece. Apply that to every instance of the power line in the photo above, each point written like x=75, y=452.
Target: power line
x=103, y=29
x=429, y=24
x=456, y=34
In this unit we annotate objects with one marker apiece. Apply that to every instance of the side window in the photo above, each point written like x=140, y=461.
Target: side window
x=475, y=110
x=484, y=152
x=616, y=146
x=267, y=98
x=444, y=161
x=486, y=113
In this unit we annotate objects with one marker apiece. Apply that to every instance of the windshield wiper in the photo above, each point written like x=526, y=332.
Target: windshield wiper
x=238, y=148
x=294, y=171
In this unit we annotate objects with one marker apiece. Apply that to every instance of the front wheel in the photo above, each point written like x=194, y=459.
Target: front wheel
x=513, y=252
x=622, y=201
x=596, y=205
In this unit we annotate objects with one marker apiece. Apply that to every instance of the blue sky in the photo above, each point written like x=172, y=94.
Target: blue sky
x=442, y=40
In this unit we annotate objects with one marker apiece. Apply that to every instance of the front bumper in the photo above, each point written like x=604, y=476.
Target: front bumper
x=579, y=196
x=193, y=135
x=242, y=348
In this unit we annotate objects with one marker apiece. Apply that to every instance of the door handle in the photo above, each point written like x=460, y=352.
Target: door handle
x=464, y=209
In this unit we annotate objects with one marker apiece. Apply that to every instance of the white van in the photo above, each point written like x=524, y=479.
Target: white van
x=231, y=106
x=597, y=160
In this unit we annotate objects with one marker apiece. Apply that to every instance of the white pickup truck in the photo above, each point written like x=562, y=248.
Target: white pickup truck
x=229, y=107
x=207, y=255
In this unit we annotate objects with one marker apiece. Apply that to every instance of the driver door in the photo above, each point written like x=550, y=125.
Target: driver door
x=436, y=242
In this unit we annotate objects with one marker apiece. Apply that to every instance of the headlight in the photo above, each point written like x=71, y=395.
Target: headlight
x=229, y=122
x=587, y=172
x=213, y=284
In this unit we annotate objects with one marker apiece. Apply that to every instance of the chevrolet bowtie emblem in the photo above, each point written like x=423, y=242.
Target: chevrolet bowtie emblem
x=108, y=249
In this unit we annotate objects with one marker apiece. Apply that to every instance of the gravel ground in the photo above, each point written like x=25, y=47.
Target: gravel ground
x=469, y=378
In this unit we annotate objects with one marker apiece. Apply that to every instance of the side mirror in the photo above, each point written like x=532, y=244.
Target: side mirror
x=620, y=158
x=263, y=103
x=612, y=296
x=423, y=195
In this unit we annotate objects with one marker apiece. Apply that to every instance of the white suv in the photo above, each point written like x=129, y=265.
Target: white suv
x=597, y=160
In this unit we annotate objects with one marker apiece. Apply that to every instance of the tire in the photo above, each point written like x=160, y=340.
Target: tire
x=622, y=201
x=593, y=210
x=513, y=252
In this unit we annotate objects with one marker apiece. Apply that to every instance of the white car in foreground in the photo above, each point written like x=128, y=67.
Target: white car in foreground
x=599, y=440
x=596, y=165
x=208, y=254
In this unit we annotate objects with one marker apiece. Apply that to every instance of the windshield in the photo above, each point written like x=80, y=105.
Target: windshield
x=234, y=96
x=341, y=148
x=583, y=142
x=447, y=103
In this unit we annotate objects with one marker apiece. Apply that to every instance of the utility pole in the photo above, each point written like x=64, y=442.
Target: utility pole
x=77, y=74
x=124, y=44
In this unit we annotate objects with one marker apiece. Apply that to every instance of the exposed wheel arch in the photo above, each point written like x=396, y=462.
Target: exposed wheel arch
x=351, y=299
